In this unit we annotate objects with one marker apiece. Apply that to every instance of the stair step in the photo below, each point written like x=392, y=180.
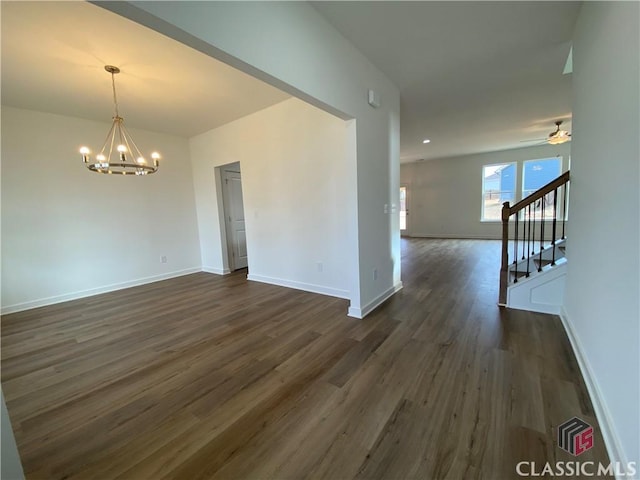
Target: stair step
x=533, y=270
x=560, y=245
x=546, y=252
x=520, y=274
x=540, y=264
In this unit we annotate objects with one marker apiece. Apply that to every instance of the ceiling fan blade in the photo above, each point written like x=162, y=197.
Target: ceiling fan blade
x=534, y=140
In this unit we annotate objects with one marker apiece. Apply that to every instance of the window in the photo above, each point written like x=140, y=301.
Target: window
x=536, y=174
x=498, y=186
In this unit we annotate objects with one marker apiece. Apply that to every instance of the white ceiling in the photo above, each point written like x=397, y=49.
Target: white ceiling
x=53, y=57
x=473, y=76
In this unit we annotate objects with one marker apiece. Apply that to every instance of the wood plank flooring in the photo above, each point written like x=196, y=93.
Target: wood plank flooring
x=215, y=377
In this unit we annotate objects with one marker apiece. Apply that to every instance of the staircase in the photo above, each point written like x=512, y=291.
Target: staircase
x=534, y=265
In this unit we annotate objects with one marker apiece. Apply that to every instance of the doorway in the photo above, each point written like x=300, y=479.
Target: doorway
x=234, y=219
x=404, y=211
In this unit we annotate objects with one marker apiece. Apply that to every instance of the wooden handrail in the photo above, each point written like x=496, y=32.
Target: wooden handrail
x=538, y=194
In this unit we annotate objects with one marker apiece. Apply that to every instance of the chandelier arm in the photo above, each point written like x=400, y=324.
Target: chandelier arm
x=106, y=140
x=113, y=139
x=138, y=152
x=120, y=134
x=125, y=135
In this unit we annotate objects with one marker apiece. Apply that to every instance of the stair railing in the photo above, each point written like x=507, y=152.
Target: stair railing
x=542, y=207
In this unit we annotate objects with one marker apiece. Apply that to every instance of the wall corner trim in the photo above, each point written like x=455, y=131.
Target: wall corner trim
x=217, y=271
x=356, y=312
x=611, y=440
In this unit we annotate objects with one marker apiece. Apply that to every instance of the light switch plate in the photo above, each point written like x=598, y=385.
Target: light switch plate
x=374, y=98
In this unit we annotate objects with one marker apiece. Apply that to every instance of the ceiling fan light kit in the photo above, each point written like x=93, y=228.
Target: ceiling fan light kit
x=559, y=136
x=126, y=159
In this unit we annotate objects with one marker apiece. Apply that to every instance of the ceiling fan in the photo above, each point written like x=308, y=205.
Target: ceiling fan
x=556, y=137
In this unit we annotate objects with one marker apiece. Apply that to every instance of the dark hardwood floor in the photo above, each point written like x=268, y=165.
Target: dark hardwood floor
x=206, y=376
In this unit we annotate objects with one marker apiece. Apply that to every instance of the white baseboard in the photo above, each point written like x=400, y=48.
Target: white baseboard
x=372, y=305
x=217, y=271
x=307, y=287
x=42, y=302
x=454, y=236
x=611, y=440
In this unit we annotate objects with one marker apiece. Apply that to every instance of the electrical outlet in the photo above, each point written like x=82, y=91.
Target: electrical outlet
x=163, y=259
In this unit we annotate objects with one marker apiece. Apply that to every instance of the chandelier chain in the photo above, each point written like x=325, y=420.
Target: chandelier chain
x=115, y=99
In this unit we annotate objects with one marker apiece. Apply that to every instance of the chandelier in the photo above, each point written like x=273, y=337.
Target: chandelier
x=127, y=158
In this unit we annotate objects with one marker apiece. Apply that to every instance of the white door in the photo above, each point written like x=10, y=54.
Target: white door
x=234, y=212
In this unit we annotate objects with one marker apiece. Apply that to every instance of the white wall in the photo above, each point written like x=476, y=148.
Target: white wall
x=11, y=468
x=291, y=46
x=601, y=297
x=68, y=232
x=295, y=183
x=445, y=195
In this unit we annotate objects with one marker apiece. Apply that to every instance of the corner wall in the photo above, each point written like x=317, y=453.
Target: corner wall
x=601, y=307
x=445, y=194
x=10, y=466
x=295, y=183
x=68, y=232
x=291, y=46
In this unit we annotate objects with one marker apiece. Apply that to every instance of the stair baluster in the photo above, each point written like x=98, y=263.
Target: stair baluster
x=528, y=240
x=524, y=234
x=564, y=208
x=541, y=237
x=553, y=228
x=515, y=252
x=544, y=220
x=533, y=232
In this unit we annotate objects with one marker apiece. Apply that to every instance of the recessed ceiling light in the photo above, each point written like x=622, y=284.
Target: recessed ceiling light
x=426, y=140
